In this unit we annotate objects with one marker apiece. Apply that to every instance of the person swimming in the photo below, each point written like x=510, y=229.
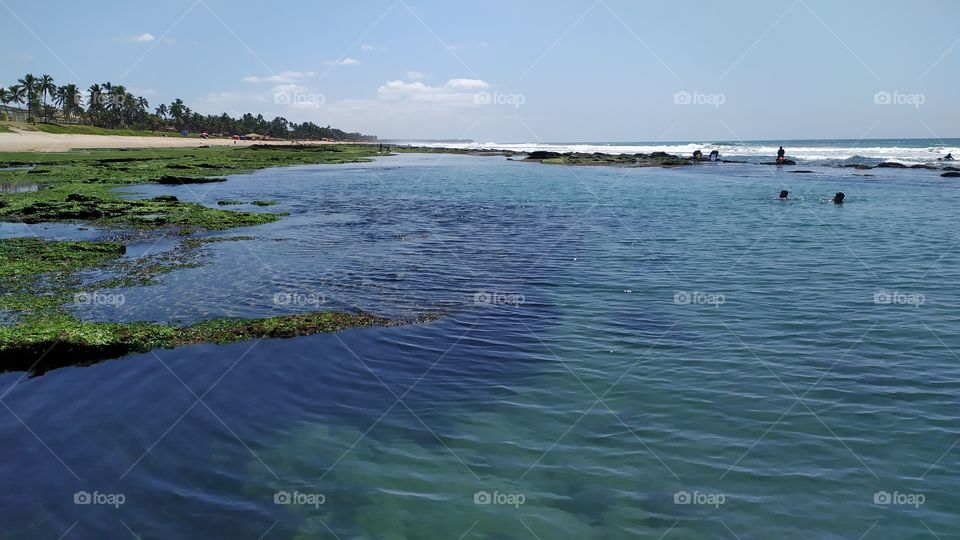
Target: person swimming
x=948, y=157
x=783, y=195
x=781, y=154
x=838, y=198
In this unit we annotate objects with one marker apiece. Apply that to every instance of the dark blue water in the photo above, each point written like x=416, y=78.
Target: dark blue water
x=626, y=353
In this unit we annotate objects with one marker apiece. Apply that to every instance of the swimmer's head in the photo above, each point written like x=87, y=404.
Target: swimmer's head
x=783, y=194
x=838, y=198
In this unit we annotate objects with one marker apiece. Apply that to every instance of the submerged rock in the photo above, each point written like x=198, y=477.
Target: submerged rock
x=165, y=198
x=951, y=174
x=891, y=165
x=542, y=154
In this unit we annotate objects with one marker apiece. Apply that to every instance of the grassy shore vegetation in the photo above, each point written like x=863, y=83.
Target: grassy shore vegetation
x=39, y=279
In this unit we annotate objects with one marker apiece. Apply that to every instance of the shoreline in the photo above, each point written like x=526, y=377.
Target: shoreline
x=40, y=142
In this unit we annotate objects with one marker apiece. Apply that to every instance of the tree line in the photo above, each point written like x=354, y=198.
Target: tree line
x=110, y=105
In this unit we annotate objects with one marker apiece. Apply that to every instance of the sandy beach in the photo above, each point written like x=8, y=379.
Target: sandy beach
x=37, y=141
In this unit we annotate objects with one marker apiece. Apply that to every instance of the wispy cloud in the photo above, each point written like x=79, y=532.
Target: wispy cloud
x=346, y=62
x=146, y=37
x=284, y=77
x=454, y=92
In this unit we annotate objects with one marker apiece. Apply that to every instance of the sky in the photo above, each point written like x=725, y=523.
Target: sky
x=518, y=71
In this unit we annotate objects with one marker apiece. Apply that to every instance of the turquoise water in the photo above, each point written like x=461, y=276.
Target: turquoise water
x=616, y=342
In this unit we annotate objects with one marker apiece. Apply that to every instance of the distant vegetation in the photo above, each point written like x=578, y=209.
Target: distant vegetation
x=109, y=106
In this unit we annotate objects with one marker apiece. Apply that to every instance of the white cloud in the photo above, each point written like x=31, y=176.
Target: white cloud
x=454, y=92
x=346, y=62
x=284, y=77
x=144, y=38
x=416, y=75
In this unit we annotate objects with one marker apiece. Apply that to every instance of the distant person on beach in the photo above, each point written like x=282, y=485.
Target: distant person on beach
x=715, y=155
x=838, y=198
x=948, y=157
x=781, y=154
x=697, y=154
x=783, y=195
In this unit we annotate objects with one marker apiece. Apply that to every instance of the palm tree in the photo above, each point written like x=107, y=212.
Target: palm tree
x=67, y=97
x=94, y=105
x=176, y=112
x=46, y=87
x=29, y=82
x=17, y=94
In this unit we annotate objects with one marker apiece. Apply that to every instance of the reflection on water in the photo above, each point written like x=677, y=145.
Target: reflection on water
x=18, y=187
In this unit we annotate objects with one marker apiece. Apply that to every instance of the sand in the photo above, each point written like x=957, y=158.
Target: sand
x=37, y=141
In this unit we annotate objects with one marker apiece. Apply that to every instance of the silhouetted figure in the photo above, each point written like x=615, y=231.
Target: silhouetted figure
x=781, y=154
x=783, y=194
x=715, y=155
x=697, y=154
x=948, y=157
x=838, y=198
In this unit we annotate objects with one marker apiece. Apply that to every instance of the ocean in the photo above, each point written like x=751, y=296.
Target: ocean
x=623, y=353
x=812, y=151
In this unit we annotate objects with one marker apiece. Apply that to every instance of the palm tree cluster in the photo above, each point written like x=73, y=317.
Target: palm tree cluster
x=110, y=105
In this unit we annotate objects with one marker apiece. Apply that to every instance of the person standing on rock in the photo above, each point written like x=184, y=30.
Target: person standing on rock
x=781, y=153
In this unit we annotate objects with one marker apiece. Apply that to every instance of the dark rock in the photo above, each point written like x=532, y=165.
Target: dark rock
x=951, y=174
x=859, y=166
x=891, y=165
x=165, y=198
x=783, y=162
x=922, y=166
x=179, y=180
x=541, y=154
x=662, y=155
x=951, y=168
x=76, y=197
x=801, y=172
x=4, y=204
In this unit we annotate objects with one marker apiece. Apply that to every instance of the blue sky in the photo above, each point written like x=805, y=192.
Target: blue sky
x=561, y=70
